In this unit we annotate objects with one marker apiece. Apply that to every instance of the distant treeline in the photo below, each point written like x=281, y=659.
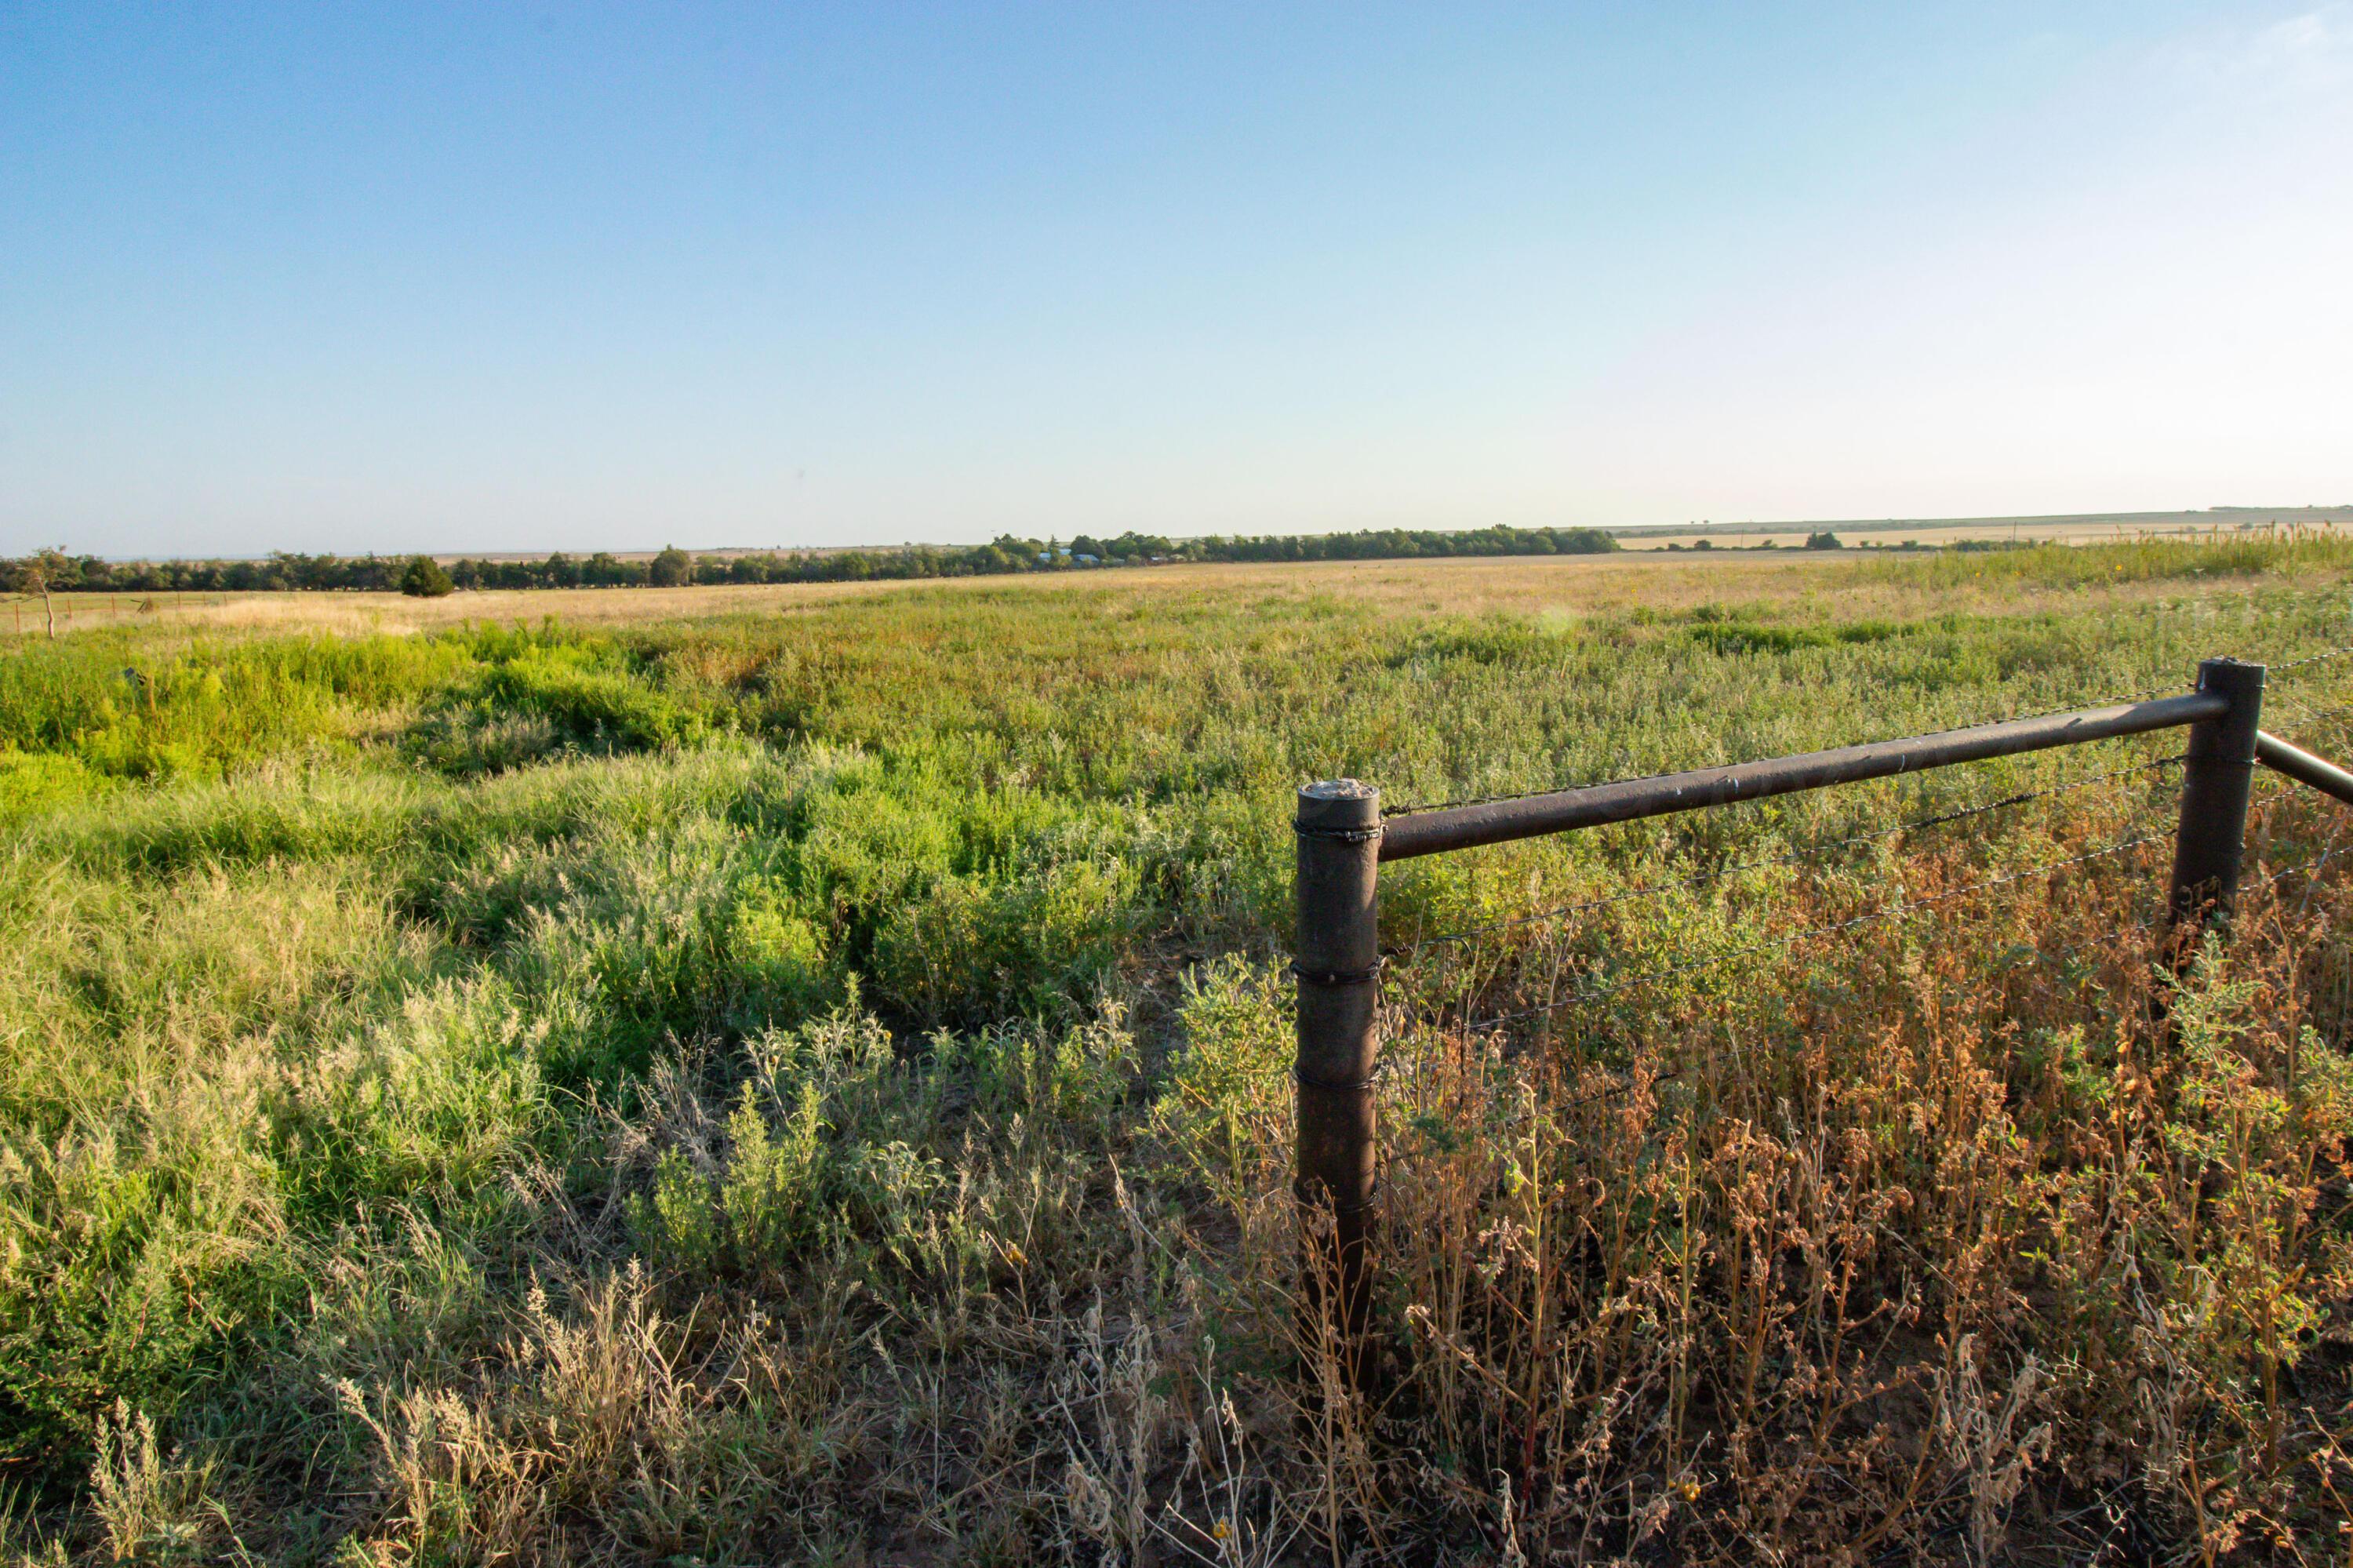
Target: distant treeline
x=62, y=572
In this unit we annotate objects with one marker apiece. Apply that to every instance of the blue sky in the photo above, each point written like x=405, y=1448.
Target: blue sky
x=506, y=277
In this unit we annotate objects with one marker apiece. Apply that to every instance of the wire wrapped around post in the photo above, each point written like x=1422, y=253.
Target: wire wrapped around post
x=2217, y=779
x=1337, y=964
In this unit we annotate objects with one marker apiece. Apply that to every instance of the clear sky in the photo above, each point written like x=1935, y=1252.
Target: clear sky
x=479, y=277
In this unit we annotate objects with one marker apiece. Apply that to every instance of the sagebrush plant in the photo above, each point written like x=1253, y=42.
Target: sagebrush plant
x=816, y=1088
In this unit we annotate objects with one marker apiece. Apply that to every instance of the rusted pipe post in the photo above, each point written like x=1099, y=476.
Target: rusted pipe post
x=2216, y=779
x=1337, y=963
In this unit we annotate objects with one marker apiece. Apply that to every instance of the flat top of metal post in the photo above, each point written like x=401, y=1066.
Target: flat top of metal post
x=1339, y=808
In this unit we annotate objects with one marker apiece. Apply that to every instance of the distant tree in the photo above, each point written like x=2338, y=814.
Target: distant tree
x=1825, y=540
x=59, y=573
x=43, y=574
x=56, y=571
x=425, y=579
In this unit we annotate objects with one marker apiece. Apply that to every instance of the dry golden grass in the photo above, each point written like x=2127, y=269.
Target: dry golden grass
x=1457, y=585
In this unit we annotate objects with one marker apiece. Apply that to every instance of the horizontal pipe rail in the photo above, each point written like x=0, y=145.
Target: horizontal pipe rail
x=1499, y=821
x=2302, y=766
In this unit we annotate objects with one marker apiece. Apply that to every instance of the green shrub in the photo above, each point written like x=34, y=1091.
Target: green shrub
x=790, y=1158
x=782, y=954
x=424, y=578
x=128, y=710
x=531, y=701
x=1734, y=638
x=1041, y=942
x=35, y=784
x=677, y=1222
x=1234, y=1028
x=146, y=1183
x=126, y=1276
x=281, y=811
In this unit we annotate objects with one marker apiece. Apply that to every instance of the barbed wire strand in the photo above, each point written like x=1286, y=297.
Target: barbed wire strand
x=1811, y=853
x=2302, y=699
x=2034, y=957
x=2321, y=658
x=1426, y=806
x=2301, y=705
x=1585, y=994
x=1415, y=808
x=2310, y=862
x=1617, y=983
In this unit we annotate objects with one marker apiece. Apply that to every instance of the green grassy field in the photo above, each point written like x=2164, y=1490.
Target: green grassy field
x=805, y=1080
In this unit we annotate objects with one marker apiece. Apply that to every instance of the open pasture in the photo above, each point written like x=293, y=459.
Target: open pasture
x=763, y=1075
x=1458, y=584
x=1795, y=583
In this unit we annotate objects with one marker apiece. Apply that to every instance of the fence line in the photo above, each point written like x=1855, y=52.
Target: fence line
x=1343, y=838
x=1425, y=807
x=2034, y=956
x=1811, y=855
x=1792, y=939
x=2312, y=715
x=2310, y=862
x=1422, y=807
x=2320, y=658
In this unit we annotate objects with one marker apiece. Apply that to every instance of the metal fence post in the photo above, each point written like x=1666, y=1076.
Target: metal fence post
x=2216, y=778
x=1337, y=965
